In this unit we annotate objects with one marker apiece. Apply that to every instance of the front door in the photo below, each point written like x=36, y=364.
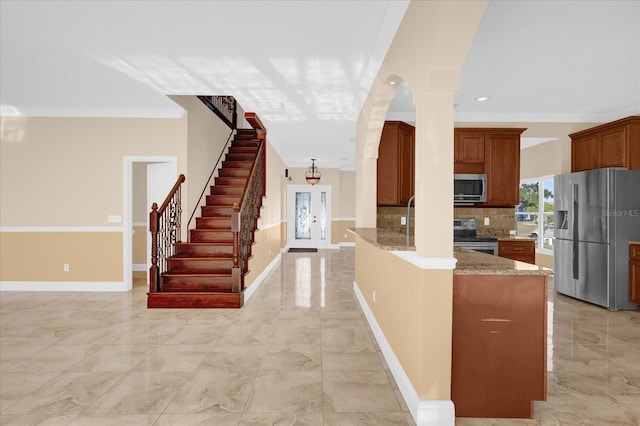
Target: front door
x=309, y=216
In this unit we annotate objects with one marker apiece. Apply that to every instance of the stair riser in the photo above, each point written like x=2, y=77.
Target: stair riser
x=222, y=200
x=204, y=249
x=213, y=223
x=226, y=190
x=234, y=172
x=234, y=181
x=243, y=150
x=240, y=156
x=245, y=143
x=246, y=165
x=199, y=266
x=195, y=300
x=205, y=235
x=212, y=211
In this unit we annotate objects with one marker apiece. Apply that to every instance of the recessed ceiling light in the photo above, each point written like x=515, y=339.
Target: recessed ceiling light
x=392, y=82
x=482, y=99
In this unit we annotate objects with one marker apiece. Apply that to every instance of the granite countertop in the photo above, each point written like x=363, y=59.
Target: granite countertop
x=475, y=263
x=384, y=239
x=469, y=262
x=514, y=238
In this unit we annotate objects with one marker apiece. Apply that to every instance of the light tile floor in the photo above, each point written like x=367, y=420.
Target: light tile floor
x=299, y=353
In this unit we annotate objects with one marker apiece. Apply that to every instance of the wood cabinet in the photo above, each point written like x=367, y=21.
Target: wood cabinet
x=396, y=158
x=495, y=152
x=499, y=345
x=615, y=144
x=522, y=250
x=634, y=274
x=469, y=151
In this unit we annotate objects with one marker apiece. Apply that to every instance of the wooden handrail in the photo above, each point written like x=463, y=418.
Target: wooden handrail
x=167, y=228
x=246, y=210
x=172, y=192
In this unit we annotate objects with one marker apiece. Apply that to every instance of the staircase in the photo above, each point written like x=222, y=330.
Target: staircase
x=200, y=273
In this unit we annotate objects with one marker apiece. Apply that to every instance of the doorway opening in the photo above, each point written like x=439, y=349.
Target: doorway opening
x=309, y=216
x=146, y=180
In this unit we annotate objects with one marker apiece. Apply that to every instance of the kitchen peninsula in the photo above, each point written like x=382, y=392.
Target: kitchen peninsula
x=499, y=327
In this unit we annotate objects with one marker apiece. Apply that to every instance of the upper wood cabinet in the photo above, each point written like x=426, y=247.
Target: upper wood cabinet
x=396, y=158
x=615, y=144
x=469, y=151
x=496, y=152
x=502, y=166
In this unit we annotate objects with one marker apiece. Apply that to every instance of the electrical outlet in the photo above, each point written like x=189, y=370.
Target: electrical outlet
x=374, y=296
x=403, y=220
x=345, y=235
x=65, y=268
x=486, y=221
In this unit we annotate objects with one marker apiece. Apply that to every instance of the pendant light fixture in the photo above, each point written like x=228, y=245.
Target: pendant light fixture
x=313, y=174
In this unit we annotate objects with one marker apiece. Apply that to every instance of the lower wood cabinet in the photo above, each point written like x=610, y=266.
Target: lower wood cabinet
x=634, y=274
x=499, y=345
x=522, y=250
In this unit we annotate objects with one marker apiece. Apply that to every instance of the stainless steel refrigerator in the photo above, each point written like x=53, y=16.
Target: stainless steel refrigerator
x=597, y=213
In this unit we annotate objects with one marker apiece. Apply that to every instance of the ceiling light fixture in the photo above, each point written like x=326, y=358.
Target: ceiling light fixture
x=482, y=98
x=313, y=174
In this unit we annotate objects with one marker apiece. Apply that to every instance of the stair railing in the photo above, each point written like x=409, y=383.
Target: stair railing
x=224, y=107
x=164, y=224
x=246, y=212
x=208, y=182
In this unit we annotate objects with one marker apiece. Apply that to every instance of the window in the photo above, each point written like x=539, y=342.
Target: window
x=534, y=214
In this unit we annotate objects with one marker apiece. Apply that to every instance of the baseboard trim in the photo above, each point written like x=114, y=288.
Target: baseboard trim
x=424, y=412
x=62, y=286
x=249, y=291
x=139, y=267
x=347, y=244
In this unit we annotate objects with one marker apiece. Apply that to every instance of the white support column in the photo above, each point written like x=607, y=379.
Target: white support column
x=366, y=178
x=434, y=173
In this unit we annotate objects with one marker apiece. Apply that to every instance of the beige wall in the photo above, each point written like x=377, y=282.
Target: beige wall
x=413, y=307
x=206, y=137
x=40, y=256
x=139, y=245
x=69, y=171
x=544, y=260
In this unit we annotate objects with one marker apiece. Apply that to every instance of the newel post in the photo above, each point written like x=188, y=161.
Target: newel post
x=235, y=270
x=153, y=227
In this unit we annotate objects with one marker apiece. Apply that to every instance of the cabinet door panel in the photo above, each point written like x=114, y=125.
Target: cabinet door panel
x=387, y=166
x=503, y=169
x=612, y=148
x=583, y=154
x=469, y=151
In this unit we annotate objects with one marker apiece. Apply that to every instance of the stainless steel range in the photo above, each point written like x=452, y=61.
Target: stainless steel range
x=465, y=236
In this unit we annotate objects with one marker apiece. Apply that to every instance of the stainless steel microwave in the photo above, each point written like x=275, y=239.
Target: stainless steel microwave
x=469, y=189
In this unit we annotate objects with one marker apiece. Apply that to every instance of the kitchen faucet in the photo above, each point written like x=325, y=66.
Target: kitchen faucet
x=409, y=214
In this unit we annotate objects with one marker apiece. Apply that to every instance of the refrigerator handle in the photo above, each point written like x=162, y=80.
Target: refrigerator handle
x=574, y=231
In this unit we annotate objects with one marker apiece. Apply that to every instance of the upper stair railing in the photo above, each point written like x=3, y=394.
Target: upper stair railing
x=224, y=107
x=165, y=227
x=246, y=212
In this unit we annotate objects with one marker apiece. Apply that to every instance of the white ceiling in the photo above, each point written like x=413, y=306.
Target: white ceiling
x=306, y=67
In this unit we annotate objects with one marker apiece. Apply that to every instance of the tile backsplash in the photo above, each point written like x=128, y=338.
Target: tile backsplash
x=501, y=220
